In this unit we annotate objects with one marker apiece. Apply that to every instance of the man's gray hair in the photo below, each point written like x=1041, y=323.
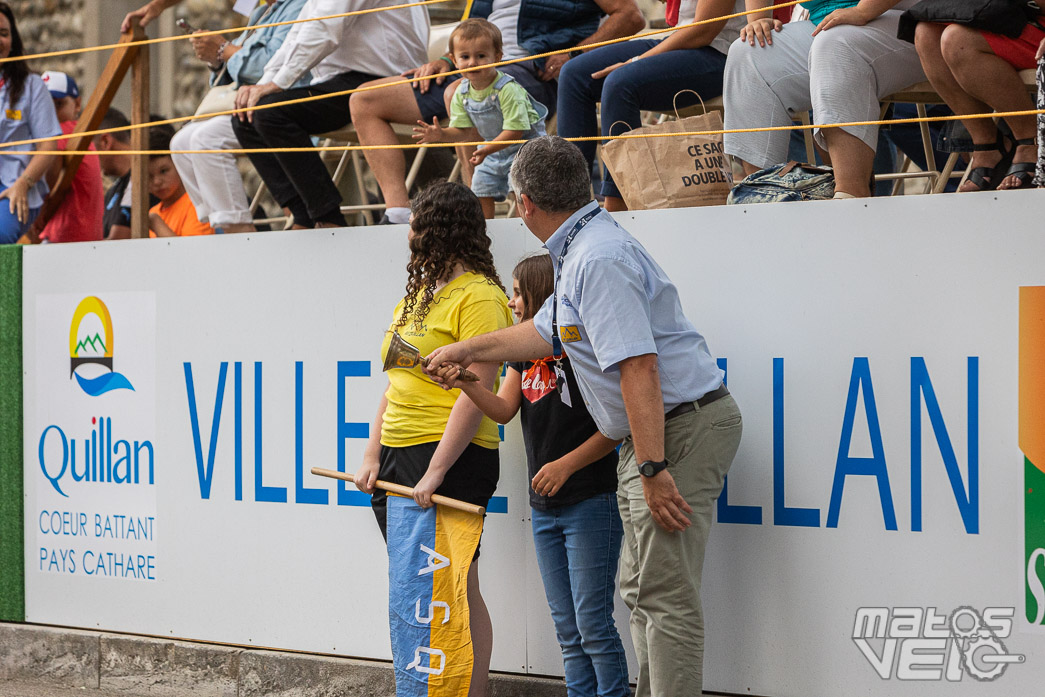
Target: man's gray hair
x=553, y=173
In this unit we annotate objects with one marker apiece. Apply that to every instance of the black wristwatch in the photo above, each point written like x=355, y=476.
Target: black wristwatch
x=649, y=468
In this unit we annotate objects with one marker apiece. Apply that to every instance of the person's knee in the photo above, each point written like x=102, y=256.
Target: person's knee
x=957, y=43
x=927, y=37
x=362, y=105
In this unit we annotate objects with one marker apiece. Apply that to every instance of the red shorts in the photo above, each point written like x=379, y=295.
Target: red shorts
x=1018, y=52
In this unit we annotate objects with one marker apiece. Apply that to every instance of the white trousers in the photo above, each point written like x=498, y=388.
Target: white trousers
x=841, y=74
x=213, y=181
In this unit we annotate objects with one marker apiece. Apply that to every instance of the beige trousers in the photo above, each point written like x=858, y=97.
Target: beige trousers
x=660, y=571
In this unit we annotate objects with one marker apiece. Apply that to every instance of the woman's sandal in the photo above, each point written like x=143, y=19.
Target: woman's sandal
x=987, y=178
x=1023, y=171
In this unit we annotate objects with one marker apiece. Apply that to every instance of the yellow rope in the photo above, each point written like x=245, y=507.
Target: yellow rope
x=216, y=32
x=578, y=139
x=406, y=81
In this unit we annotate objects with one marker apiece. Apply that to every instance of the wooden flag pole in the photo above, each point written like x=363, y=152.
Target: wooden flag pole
x=404, y=491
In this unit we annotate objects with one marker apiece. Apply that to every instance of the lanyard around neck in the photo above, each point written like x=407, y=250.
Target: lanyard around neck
x=577, y=227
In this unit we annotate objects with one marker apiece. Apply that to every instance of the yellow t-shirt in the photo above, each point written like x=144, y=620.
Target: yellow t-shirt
x=418, y=409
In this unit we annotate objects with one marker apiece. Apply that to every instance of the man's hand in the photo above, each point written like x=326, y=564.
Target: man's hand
x=665, y=502
x=436, y=67
x=553, y=66
x=458, y=353
x=425, y=133
x=248, y=96
x=142, y=16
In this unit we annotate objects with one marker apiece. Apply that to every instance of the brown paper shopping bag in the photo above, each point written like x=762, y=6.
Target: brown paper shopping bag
x=671, y=171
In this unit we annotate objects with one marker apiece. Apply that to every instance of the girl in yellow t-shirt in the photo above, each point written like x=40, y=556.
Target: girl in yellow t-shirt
x=429, y=439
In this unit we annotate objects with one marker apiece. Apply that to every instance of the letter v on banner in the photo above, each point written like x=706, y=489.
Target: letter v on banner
x=429, y=553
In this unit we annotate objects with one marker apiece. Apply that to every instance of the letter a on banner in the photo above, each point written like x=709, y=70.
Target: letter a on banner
x=429, y=552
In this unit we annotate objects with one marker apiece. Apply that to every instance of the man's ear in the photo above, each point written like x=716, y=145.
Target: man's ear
x=526, y=205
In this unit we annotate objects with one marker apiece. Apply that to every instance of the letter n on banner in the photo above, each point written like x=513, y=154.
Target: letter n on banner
x=429, y=552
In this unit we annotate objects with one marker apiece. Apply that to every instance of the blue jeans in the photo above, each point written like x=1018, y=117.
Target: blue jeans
x=650, y=83
x=10, y=229
x=578, y=548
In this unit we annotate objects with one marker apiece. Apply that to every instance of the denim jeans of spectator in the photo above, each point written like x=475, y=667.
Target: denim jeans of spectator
x=649, y=83
x=10, y=229
x=299, y=180
x=578, y=547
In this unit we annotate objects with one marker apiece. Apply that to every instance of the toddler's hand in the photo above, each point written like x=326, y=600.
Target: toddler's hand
x=425, y=133
x=478, y=157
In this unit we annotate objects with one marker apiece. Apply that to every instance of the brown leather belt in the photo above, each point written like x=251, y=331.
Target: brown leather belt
x=686, y=407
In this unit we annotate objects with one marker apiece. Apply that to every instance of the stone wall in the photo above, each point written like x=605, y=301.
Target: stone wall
x=52, y=25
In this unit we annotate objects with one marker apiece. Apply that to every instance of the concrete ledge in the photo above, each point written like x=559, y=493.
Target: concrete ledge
x=119, y=664
x=53, y=656
x=137, y=665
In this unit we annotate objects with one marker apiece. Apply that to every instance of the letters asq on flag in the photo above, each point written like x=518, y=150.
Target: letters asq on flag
x=429, y=552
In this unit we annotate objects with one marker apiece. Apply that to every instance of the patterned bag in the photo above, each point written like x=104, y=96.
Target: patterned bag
x=1040, y=180
x=794, y=181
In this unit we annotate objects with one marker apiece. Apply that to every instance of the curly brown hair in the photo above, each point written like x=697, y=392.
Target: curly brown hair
x=448, y=228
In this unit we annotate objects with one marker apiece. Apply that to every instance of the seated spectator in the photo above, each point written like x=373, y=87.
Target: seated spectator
x=527, y=28
x=487, y=105
x=646, y=74
x=174, y=215
x=115, y=163
x=975, y=71
x=213, y=181
x=79, y=217
x=26, y=112
x=840, y=63
x=342, y=54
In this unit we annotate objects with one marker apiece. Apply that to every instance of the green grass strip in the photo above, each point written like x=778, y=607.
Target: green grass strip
x=12, y=539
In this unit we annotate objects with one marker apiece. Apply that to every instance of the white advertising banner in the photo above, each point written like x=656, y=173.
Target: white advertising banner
x=879, y=534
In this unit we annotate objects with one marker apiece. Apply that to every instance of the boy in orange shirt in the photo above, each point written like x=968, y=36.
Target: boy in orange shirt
x=174, y=215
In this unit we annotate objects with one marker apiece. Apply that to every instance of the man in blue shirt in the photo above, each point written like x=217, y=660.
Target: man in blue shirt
x=646, y=376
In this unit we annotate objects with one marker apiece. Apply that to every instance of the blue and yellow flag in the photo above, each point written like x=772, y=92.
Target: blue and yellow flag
x=429, y=552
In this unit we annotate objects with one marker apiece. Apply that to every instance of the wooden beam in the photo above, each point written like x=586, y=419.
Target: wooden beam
x=140, y=141
x=97, y=106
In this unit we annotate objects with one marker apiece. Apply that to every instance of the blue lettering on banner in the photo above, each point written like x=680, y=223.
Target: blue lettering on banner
x=874, y=466
x=205, y=463
x=97, y=450
x=965, y=492
x=349, y=429
x=782, y=514
x=968, y=499
x=741, y=515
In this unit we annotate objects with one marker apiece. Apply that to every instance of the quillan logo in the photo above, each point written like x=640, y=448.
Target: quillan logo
x=94, y=347
x=1032, y=443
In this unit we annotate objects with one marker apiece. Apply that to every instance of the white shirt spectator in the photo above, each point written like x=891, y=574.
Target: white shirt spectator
x=505, y=16
x=378, y=43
